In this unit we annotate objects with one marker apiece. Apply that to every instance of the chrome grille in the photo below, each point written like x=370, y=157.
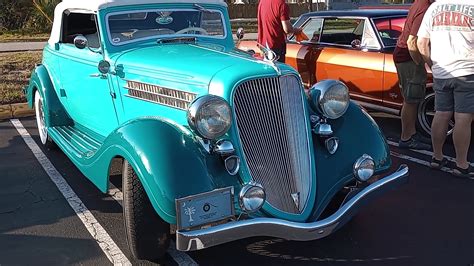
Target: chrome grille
x=272, y=127
x=170, y=97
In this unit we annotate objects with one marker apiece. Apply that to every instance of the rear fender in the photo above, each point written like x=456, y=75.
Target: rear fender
x=55, y=114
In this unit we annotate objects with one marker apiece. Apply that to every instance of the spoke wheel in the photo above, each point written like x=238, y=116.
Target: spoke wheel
x=41, y=122
x=426, y=112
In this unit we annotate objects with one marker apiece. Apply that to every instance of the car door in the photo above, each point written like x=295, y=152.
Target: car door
x=389, y=29
x=350, y=52
x=302, y=56
x=87, y=93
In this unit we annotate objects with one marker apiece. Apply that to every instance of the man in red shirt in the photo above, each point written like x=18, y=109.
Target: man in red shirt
x=273, y=26
x=411, y=75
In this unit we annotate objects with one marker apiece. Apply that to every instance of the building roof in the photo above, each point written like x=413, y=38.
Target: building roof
x=371, y=13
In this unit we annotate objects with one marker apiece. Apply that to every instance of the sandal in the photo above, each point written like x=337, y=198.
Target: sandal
x=438, y=164
x=464, y=173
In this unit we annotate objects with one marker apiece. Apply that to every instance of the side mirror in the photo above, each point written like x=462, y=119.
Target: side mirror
x=240, y=33
x=356, y=43
x=80, y=42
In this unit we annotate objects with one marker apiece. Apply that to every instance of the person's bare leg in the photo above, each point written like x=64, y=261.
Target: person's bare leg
x=462, y=137
x=408, y=116
x=439, y=128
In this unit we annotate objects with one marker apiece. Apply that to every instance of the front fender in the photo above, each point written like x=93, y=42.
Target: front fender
x=358, y=133
x=168, y=160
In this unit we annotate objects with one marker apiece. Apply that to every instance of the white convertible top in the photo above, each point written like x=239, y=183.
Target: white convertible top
x=96, y=5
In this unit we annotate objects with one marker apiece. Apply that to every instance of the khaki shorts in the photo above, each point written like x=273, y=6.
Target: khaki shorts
x=412, y=81
x=454, y=94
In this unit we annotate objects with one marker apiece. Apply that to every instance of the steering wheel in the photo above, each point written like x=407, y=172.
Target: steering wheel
x=201, y=30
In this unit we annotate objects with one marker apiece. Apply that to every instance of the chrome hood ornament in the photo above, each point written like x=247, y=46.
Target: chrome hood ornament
x=269, y=56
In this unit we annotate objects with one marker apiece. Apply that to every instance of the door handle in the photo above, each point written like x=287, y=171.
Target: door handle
x=98, y=75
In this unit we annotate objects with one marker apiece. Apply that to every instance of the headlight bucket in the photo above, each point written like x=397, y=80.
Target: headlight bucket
x=331, y=97
x=209, y=116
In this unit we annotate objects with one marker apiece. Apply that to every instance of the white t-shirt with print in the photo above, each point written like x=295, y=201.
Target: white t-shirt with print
x=449, y=24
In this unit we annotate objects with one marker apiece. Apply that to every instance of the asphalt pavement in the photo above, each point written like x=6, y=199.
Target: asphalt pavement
x=429, y=221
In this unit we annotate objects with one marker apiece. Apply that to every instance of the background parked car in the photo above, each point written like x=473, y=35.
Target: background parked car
x=356, y=47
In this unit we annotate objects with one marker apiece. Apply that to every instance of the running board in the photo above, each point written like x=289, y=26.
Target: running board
x=74, y=140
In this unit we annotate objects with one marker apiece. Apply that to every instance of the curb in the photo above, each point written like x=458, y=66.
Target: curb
x=15, y=110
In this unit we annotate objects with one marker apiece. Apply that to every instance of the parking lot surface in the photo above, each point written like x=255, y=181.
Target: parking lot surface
x=50, y=214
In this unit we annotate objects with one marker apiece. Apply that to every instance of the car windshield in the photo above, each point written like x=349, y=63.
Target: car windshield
x=126, y=27
x=389, y=29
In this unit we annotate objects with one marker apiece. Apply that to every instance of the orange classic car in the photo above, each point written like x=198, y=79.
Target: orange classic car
x=355, y=46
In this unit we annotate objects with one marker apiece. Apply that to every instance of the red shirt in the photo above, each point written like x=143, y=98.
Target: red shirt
x=412, y=25
x=270, y=30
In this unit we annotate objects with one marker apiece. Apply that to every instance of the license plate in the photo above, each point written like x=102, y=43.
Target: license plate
x=205, y=208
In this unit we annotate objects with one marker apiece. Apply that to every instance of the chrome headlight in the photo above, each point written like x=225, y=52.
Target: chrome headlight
x=364, y=168
x=209, y=116
x=332, y=98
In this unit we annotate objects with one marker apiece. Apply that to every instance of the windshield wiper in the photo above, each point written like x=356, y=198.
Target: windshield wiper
x=180, y=39
x=203, y=9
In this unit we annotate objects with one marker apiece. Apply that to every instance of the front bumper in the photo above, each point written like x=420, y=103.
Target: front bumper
x=272, y=227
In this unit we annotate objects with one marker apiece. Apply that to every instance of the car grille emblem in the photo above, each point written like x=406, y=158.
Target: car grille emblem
x=296, y=199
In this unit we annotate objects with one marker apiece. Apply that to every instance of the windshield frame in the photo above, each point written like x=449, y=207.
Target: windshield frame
x=156, y=37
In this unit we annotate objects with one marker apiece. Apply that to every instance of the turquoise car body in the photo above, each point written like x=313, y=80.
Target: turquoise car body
x=90, y=118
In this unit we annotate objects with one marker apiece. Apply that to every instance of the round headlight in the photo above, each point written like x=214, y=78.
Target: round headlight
x=364, y=168
x=251, y=197
x=333, y=98
x=209, y=116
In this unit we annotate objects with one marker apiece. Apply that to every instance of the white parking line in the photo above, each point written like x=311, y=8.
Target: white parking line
x=103, y=239
x=429, y=153
x=418, y=161
x=180, y=257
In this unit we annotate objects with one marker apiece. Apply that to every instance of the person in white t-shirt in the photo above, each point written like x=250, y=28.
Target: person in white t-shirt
x=446, y=42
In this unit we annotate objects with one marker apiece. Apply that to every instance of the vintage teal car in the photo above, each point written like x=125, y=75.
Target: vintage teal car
x=216, y=145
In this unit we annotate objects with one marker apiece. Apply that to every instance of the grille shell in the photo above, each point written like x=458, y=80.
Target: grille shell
x=274, y=134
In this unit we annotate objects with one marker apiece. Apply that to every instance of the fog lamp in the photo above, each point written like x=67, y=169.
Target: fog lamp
x=251, y=197
x=364, y=168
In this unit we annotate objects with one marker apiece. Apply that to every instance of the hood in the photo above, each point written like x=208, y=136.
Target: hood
x=187, y=63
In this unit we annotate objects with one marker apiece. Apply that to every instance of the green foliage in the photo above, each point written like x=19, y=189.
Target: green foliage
x=26, y=16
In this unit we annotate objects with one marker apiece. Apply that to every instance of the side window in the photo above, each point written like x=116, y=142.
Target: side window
x=80, y=24
x=369, y=39
x=342, y=31
x=312, y=29
x=389, y=29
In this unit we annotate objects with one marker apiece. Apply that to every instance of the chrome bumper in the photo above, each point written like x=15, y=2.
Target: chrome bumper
x=272, y=227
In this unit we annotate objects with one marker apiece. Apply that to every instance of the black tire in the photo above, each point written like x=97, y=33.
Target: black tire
x=425, y=116
x=148, y=236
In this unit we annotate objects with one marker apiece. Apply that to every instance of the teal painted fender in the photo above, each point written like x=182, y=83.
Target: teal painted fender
x=165, y=156
x=55, y=114
x=358, y=133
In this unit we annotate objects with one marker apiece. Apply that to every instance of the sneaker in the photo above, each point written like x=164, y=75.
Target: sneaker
x=413, y=144
x=464, y=173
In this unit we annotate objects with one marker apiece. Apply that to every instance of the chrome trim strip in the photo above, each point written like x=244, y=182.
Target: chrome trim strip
x=378, y=107
x=272, y=227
